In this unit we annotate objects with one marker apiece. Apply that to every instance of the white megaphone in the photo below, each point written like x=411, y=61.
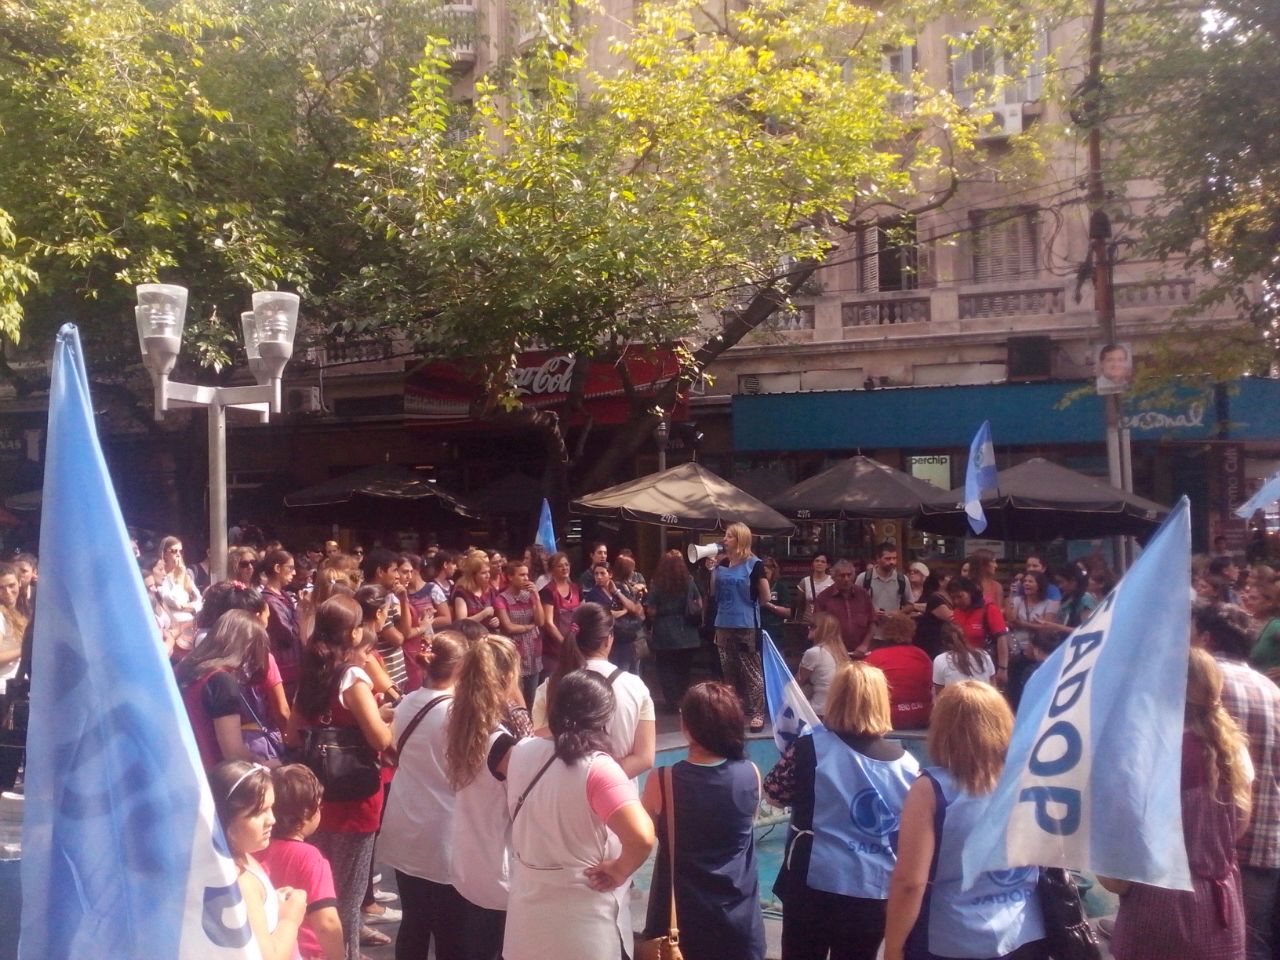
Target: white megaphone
x=700, y=551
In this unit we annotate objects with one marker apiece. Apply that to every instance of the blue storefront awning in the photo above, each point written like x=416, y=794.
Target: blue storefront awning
x=1020, y=414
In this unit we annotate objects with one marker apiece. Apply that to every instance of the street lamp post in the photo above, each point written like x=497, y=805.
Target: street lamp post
x=661, y=433
x=268, y=329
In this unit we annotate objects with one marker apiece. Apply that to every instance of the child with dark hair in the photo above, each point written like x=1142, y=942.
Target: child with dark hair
x=291, y=862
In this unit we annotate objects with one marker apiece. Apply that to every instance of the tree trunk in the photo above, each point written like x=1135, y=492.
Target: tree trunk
x=638, y=430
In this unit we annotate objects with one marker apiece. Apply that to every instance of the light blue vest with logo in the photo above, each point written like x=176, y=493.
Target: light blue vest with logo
x=1000, y=912
x=857, y=803
x=735, y=603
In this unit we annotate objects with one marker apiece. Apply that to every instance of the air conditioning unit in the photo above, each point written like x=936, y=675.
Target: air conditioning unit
x=1006, y=120
x=302, y=400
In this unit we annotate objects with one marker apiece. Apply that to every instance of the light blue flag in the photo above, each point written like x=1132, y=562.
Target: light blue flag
x=120, y=854
x=980, y=475
x=1093, y=774
x=789, y=709
x=546, y=536
x=1264, y=498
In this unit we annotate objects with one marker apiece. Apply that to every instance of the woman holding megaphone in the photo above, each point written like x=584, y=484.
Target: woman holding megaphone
x=739, y=586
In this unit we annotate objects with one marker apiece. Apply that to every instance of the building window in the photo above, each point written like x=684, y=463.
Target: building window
x=900, y=64
x=889, y=256
x=980, y=73
x=1005, y=243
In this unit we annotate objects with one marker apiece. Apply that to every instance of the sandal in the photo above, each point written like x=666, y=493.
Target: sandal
x=373, y=938
x=757, y=724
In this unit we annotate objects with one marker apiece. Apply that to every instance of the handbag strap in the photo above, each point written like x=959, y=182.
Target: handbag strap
x=536, y=777
x=417, y=719
x=666, y=786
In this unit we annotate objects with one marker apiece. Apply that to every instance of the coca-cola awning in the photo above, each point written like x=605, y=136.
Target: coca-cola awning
x=444, y=392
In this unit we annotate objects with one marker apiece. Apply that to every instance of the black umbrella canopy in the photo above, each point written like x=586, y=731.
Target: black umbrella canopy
x=1040, y=500
x=856, y=489
x=688, y=496
x=383, y=481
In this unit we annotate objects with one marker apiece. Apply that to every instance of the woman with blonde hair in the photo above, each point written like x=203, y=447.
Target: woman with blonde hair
x=175, y=594
x=740, y=586
x=820, y=662
x=999, y=916
x=485, y=722
x=845, y=785
x=1208, y=920
x=473, y=594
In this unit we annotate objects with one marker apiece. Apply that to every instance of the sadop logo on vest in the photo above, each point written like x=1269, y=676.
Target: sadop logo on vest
x=871, y=815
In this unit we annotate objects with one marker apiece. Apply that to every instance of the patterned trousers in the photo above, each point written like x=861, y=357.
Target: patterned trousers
x=350, y=855
x=740, y=665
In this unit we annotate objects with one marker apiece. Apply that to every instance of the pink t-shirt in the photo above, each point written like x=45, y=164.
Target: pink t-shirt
x=273, y=678
x=295, y=863
x=608, y=789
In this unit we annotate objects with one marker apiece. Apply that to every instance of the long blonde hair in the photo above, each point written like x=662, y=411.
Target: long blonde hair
x=969, y=734
x=825, y=634
x=479, y=706
x=743, y=538
x=1224, y=743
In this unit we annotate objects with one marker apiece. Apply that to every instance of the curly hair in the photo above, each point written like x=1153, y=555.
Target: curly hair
x=488, y=671
x=1224, y=744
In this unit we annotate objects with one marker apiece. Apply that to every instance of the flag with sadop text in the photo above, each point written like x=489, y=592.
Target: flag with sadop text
x=121, y=853
x=1093, y=775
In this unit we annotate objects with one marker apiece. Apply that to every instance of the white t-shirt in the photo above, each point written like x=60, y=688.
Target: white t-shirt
x=633, y=704
x=945, y=670
x=822, y=668
x=415, y=834
x=481, y=864
x=811, y=588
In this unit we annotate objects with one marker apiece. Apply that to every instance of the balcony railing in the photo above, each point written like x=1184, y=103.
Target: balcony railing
x=872, y=313
x=1176, y=292
x=1011, y=303
x=356, y=351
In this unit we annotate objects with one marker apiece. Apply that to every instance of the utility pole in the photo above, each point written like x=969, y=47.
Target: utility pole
x=1119, y=457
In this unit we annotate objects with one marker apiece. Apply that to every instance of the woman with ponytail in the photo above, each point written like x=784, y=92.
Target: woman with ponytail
x=578, y=832
x=633, y=728
x=415, y=835
x=1208, y=920
x=335, y=689
x=486, y=720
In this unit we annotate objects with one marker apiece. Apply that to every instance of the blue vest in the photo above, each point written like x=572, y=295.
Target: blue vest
x=1000, y=912
x=735, y=603
x=857, y=803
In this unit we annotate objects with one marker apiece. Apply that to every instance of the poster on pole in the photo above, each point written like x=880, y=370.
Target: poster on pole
x=1114, y=366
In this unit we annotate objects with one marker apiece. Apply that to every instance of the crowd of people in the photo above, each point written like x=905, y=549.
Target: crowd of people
x=495, y=742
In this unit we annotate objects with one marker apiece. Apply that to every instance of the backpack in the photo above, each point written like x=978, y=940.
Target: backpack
x=904, y=591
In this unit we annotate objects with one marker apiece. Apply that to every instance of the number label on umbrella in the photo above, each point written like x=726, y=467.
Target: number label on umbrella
x=669, y=519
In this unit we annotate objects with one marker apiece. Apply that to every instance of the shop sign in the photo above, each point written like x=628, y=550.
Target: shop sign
x=13, y=445
x=935, y=469
x=1231, y=493
x=1190, y=417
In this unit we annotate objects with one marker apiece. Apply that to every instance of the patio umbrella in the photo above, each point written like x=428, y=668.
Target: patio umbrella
x=383, y=484
x=690, y=497
x=1039, y=500
x=856, y=489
